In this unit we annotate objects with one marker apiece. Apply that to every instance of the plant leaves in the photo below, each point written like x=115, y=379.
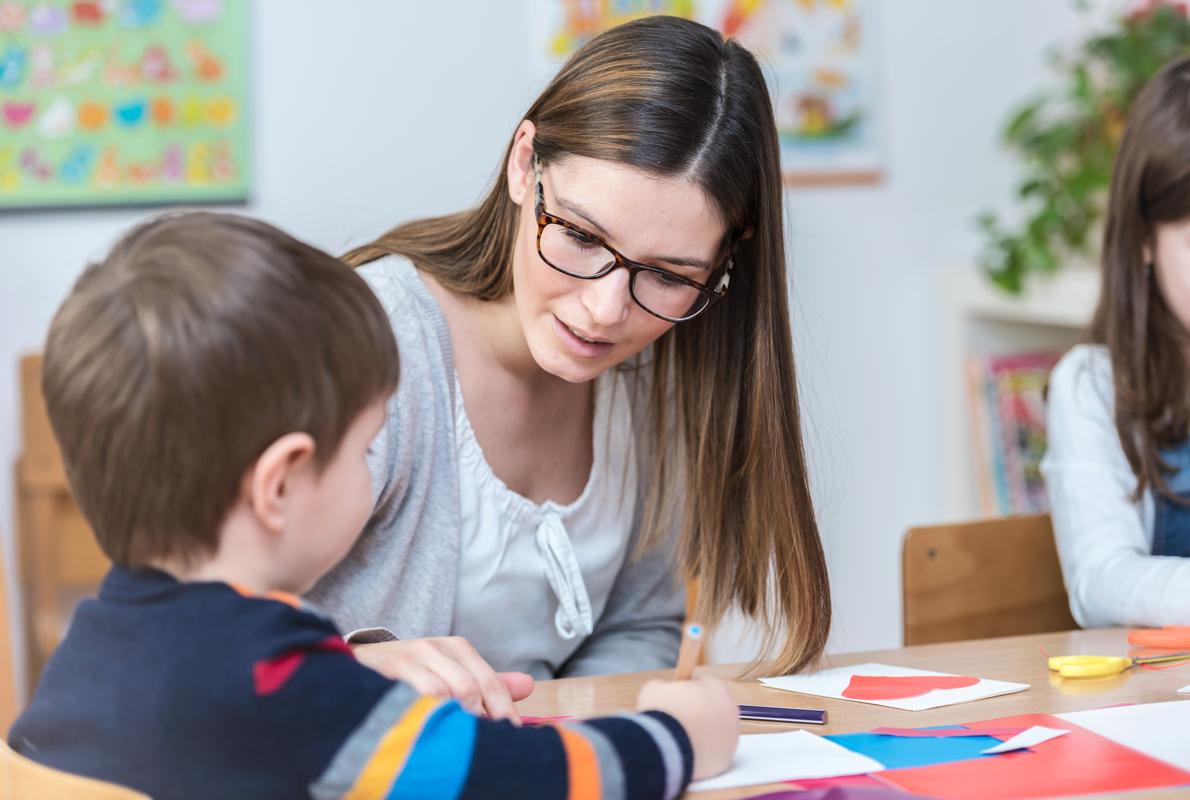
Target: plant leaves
x=1066, y=141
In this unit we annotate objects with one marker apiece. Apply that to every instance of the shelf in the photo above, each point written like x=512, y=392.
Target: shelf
x=1064, y=300
x=977, y=319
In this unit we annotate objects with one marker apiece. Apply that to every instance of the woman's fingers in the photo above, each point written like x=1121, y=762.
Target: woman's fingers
x=449, y=667
x=423, y=680
x=463, y=684
x=519, y=684
x=497, y=700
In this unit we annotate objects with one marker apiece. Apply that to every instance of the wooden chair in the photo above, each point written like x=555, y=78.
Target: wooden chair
x=8, y=681
x=60, y=562
x=998, y=577
x=23, y=779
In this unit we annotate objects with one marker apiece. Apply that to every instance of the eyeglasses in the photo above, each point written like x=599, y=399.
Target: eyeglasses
x=573, y=251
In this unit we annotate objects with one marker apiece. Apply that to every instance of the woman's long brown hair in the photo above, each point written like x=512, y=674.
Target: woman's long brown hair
x=1148, y=345
x=673, y=98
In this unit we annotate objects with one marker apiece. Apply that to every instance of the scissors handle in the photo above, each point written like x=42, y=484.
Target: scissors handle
x=1088, y=666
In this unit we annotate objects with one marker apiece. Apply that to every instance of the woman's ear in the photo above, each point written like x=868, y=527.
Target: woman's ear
x=520, y=162
x=269, y=483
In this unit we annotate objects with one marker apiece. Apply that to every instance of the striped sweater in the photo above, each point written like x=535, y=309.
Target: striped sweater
x=199, y=690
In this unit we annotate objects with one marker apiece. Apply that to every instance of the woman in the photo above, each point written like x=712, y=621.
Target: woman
x=597, y=397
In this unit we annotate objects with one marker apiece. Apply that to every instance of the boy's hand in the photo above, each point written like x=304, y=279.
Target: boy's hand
x=449, y=666
x=706, y=710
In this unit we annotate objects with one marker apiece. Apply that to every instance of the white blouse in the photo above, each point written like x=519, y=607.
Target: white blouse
x=1104, y=537
x=551, y=566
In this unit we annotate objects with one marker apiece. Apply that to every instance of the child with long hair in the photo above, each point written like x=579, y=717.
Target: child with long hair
x=1118, y=465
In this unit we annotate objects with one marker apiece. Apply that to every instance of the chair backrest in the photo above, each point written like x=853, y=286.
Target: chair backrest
x=60, y=560
x=996, y=577
x=23, y=779
x=8, y=681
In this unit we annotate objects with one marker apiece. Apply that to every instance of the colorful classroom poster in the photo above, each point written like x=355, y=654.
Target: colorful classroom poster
x=818, y=56
x=123, y=102
x=822, y=70
x=572, y=23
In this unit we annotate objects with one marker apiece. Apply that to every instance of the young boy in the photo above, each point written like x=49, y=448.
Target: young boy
x=215, y=385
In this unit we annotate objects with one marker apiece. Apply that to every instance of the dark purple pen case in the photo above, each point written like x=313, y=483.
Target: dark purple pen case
x=808, y=716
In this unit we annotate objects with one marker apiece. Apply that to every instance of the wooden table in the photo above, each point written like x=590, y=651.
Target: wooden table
x=1015, y=658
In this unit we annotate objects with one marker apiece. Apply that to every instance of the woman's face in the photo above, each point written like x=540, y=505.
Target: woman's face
x=575, y=328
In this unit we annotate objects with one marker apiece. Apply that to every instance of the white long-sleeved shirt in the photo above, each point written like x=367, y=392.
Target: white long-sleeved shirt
x=1104, y=538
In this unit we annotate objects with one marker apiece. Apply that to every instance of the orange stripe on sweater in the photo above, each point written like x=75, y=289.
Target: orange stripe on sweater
x=583, y=772
x=274, y=594
x=383, y=768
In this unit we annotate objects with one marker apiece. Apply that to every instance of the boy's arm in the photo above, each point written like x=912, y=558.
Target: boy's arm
x=427, y=747
x=346, y=731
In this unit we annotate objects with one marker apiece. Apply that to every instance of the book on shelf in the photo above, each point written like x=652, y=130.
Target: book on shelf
x=1007, y=394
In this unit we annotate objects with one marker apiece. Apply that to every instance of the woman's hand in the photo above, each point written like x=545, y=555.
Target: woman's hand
x=449, y=666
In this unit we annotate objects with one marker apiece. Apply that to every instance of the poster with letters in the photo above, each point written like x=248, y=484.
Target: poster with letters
x=123, y=102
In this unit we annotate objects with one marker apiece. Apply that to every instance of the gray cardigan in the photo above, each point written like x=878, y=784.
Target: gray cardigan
x=402, y=573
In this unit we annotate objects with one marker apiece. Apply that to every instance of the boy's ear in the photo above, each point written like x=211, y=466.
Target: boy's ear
x=270, y=481
x=520, y=163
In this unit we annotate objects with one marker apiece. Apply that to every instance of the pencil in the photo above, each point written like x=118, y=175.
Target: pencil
x=688, y=652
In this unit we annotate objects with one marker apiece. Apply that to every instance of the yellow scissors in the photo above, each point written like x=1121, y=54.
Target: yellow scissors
x=1099, y=666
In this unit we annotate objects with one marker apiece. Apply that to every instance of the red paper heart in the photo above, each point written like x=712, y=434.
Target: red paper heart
x=889, y=687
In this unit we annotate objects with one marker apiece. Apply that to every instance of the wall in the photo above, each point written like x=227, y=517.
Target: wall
x=867, y=266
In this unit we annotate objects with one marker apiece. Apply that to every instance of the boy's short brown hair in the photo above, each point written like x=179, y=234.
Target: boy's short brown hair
x=201, y=339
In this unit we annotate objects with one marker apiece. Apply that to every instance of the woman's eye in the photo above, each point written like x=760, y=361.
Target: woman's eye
x=668, y=280
x=581, y=239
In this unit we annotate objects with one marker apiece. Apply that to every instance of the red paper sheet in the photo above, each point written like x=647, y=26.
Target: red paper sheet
x=1080, y=762
x=935, y=733
x=889, y=687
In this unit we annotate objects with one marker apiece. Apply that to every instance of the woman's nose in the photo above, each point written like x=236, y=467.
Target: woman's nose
x=607, y=299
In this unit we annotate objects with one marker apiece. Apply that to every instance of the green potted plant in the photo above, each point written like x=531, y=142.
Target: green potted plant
x=1067, y=139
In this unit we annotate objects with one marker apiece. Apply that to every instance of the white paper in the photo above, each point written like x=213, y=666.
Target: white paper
x=1155, y=729
x=832, y=682
x=1184, y=690
x=1026, y=739
x=775, y=757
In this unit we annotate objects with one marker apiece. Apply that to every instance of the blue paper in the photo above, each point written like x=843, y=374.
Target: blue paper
x=895, y=752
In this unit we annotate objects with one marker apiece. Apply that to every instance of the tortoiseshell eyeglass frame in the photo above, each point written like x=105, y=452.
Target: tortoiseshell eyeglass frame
x=708, y=295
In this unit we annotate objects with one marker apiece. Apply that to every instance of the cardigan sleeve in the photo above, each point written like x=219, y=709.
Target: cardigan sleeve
x=400, y=575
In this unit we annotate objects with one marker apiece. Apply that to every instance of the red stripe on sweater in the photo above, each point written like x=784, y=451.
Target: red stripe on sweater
x=271, y=674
